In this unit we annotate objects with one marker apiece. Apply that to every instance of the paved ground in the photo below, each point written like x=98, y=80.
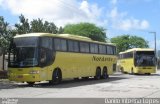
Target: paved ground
x=117, y=86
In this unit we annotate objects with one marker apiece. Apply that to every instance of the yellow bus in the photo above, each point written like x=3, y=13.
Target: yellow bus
x=36, y=57
x=137, y=61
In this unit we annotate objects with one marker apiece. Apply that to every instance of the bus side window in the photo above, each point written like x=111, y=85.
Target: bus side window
x=73, y=46
x=46, y=51
x=43, y=56
x=60, y=44
x=84, y=47
x=102, y=49
x=110, y=50
x=93, y=48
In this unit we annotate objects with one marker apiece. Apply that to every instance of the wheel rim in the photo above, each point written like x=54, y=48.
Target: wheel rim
x=56, y=77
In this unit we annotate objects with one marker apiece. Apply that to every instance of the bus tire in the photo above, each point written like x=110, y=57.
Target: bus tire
x=85, y=78
x=105, y=73
x=98, y=74
x=76, y=79
x=148, y=73
x=56, y=77
x=30, y=83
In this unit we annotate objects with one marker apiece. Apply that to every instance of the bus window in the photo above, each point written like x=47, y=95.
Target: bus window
x=73, y=46
x=102, y=49
x=23, y=52
x=145, y=58
x=43, y=56
x=60, y=44
x=46, y=43
x=46, y=51
x=110, y=50
x=84, y=47
x=93, y=48
x=114, y=50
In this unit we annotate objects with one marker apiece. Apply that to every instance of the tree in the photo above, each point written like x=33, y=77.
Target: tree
x=50, y=27
x=60, y=30
x=23, y=27
x=125, y=42
x=37, y=25
x=6, y=34
x=86, y=29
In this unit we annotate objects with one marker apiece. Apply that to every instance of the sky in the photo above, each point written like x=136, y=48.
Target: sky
x=118, y=17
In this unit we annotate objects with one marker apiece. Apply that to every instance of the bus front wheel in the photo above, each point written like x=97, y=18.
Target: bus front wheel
x=56, y=77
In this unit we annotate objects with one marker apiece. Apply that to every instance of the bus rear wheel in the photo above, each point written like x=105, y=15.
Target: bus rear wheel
x=56, y=77
x=30, y=83
x=98, y=74
x=148, y=73
x=105, y=73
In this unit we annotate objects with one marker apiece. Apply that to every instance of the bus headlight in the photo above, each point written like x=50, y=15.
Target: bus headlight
x=34, y=72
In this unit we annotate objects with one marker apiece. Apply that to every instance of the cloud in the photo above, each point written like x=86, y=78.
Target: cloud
x=73, y=11
x=122, y=20
x=114, y=2
x=58, y=11
x=1, y=2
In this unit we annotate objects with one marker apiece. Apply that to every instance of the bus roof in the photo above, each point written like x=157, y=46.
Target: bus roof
x=137, y=49
x=66, y=36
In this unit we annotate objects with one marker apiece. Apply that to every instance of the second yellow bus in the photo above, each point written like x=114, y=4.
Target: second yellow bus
x=137, y=61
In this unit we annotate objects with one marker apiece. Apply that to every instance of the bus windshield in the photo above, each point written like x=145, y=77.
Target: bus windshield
x=145, y=58
x=23, y=52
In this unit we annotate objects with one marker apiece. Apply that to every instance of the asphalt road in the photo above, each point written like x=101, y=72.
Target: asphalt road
x=117, y=86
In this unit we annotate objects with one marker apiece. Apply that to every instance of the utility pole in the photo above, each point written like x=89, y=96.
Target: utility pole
x=3, y=60
x=155, y=44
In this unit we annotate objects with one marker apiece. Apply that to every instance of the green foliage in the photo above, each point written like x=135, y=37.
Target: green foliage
x=125, y=42
x=50, y=27
x=86, y=29
x=6, y=34
x=90, y=30
x=37, y=25
x=61, y=30
x=23, y=27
